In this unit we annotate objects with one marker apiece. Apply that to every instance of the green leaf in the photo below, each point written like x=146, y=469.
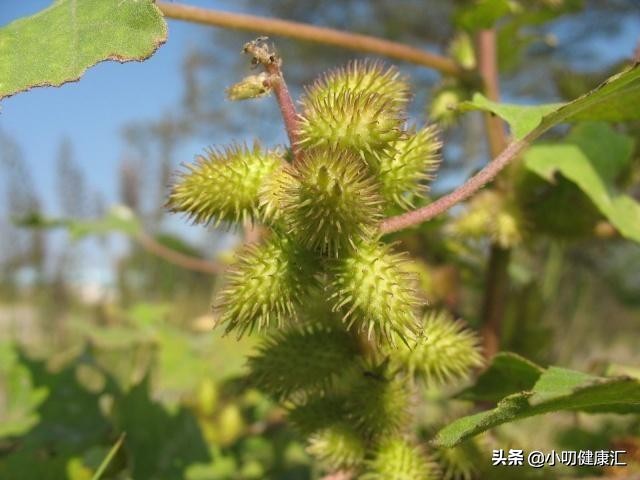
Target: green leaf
x=591, y=157
x=508, y=373
x=615, y=99
x=59, y=43
x=557, y=389
x=482, y=14
x=521, y=118
x=118, y=219
x=20, y=398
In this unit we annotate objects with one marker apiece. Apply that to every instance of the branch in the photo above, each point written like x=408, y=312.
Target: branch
x=471, y=186
x=180, y=259
x=311, y=33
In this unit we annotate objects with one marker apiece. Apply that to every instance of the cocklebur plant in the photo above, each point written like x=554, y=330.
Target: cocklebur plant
x=347, y=341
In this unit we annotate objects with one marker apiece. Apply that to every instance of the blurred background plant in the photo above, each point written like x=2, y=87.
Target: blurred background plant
x=89, y=352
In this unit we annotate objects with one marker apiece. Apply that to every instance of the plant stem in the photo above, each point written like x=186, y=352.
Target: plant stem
x=180, y=259
x=471, y=186
x=497, y=273
x=302, y=31
x=271, y=62
x=287, y=107
x=493, y=304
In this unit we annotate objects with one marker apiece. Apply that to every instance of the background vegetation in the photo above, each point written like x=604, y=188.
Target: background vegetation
x=81, y=363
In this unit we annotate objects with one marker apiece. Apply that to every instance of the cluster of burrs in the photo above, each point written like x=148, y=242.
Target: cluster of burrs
x=346, y=338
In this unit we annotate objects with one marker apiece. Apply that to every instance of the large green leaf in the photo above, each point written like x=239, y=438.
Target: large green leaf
x=59, y=43
x=508, y=373
x=591, y=157
x=557, y=389
x=616, y=99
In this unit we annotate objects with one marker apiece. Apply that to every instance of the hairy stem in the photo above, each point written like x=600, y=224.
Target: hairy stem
x=287, y=107
x=311, y=33
x=471, y=186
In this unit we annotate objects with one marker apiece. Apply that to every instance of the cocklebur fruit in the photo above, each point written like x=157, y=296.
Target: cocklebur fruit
x=333, y=202
x=377, y=403
x=273, y=193
x=374, y=290
x=338, y=446
x=404, y=169
x=492, y=215
x=317, y=412
x=459, y=462
x=361, y=76
x=304, y=358
x=223, y=185
x=444, y=352
x=265, y=285
x=362, y=122
x=397, y=459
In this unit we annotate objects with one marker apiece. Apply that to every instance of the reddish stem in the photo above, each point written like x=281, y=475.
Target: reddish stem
x=287, y=107
x=471, y=186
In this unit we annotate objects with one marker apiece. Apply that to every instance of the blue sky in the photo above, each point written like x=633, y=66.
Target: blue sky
x=92, y=112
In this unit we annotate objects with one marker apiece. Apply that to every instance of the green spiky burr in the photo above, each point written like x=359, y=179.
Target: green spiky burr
x=305, y=358
x=362, y=122
x=405, y=169
x=223, y=185
x=265, y=286
x=397, y=459
x=337, y=447
x=333, y=202
x=446, y=351
x=374, y=290
x=362, y=76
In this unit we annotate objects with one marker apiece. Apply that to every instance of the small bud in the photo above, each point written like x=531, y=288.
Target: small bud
x=253, y=86
x=461, y=49
x=444, y=105
x=489, y=214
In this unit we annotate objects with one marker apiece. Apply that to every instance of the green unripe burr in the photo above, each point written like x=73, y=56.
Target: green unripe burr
x=223, y=185
x=333, y=202
x=446, y=351
x=397, y=459
x=374, y=290
x=265, y=286
x=362, y=76
x=362, y=122
x=305, y=358
x=376, y=404
x=405, y=168
x=338, y=447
